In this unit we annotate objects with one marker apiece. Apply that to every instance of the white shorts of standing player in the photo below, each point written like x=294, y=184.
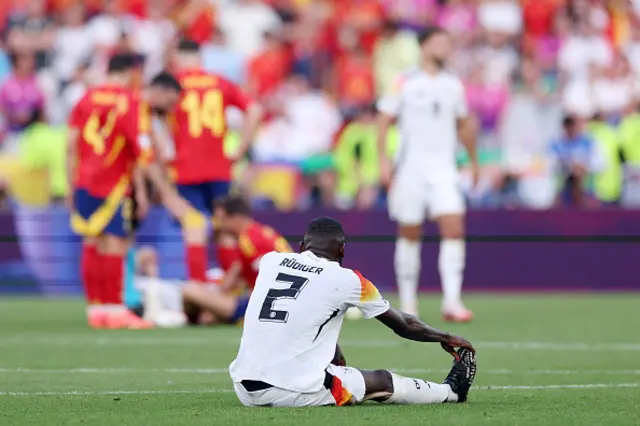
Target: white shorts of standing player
x=348, y=390
x=414, y=198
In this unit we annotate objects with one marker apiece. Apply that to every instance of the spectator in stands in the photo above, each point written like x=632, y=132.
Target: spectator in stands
x=150, y=37
x=5, y=64
x=219, y=58
x=73, y=45
x=31, y=31
x=106, y=28
x=487, y=100
x=500, y=17
x=395, y=52
x=356, y=162
x=302, y=134
x=20, y=94
x=629, y=132
x=613, y=89
x=245, y=22
x=412, y=14
x=354, y=79
x=459, y=19
x=575, y=156
x=269, y=68
x=584, y=47
x=607, y=185
x=43, y=152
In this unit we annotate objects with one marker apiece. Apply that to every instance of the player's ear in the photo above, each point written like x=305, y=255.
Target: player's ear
x=302, y=248
x=341, y=249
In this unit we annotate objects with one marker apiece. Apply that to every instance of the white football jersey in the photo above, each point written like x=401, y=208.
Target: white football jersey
x=294, y=317
x=427, y=108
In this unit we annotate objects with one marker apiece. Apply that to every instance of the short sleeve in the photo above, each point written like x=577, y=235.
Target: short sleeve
x=461, y=108
x=390, y=103
x=366, y=297
x=236, y=97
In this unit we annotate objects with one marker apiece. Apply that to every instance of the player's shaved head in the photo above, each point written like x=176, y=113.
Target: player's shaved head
x=325, y=238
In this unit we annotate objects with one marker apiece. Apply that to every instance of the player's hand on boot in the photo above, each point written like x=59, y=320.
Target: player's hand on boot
x=454, y=342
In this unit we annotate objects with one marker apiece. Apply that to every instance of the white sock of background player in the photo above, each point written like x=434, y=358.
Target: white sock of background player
x=417, y=391
x=407, y=268
x=451, y=261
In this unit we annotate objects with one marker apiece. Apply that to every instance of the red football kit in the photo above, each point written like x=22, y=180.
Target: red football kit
x=199, y=127
x=114, y=134
x=256, y=241
x=114, y=129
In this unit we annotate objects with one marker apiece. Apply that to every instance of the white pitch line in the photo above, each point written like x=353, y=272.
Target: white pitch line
x=21, y=370
x=206, y=391
x=188, y=341
x=115, y=393
x=545, y=387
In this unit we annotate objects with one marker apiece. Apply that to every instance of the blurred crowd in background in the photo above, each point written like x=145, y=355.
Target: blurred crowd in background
x=553, y=84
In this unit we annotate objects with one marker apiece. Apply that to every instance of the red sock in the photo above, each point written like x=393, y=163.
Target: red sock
x=90, y=274
x=112, y=267
x=197, y=263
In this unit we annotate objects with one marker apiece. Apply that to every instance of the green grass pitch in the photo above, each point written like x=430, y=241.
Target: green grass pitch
x=552, y=360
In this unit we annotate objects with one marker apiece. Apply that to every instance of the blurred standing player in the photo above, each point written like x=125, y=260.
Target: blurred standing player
x=200, y=168
x=431, y=109
x=109, y=140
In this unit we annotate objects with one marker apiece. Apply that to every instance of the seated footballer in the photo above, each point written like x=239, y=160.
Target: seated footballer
x=289, y=354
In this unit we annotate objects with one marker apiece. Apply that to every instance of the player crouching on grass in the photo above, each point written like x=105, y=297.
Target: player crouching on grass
x=254, y=240
x=289, y=354
x=224, y=302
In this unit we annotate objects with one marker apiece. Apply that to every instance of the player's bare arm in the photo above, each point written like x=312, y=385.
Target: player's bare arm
x=72, y=155
x=141, y=193
x=170, y=198
x=231, y=279
x=467, y=134
x=411, y=328
x=384, y=123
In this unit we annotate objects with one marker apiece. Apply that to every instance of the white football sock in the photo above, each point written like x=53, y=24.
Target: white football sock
x=451, y=262
x=417, y=391
x=407, y=266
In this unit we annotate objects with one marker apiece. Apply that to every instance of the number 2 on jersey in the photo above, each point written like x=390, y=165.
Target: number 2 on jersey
x=267, y=313
x=204, y=111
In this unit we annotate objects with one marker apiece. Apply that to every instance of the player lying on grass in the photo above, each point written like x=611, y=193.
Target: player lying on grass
x=289, y=354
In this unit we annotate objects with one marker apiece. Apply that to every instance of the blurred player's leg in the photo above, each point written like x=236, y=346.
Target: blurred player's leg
x=447, y=209
x=195, y=231
x=451, y=264
x=113, y=250
x=407, y=267
x=407, y=207
x=90, y=274
x=224, y=307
